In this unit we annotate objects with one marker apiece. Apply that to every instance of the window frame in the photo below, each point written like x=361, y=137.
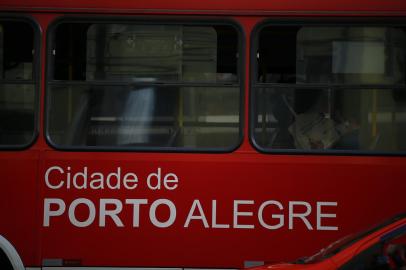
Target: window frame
x=35, y=81
x=148, y=20
x=316, y=22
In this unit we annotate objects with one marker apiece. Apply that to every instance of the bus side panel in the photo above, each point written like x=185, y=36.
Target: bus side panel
x=215, y=210
x=18, y=201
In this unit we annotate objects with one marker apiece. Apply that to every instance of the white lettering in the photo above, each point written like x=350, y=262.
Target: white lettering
x=52, y=213
x=68, y=174
x=280, y=216
x=302, y=216
x=157, y=184
x=48, y=172
x=97, y=183
x=214, y=217
x=172, y=213
x=237, y=214
x=83, y=175
x=321, y=215
x=113, y=214
x=90, y=218
x=130, y=181
x=136, y=210
x=171, y=181
x=201, y=216
x=111, y=177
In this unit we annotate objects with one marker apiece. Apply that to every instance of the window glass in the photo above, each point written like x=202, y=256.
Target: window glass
x=322, y=88
x=17, y=88
x=138, y=52
x=143, y=86
x=332, y=55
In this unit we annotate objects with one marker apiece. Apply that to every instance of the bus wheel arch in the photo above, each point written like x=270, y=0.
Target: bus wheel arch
x=10, y=255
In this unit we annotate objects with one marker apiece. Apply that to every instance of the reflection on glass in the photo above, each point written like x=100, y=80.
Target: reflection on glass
x=16, y=100
x=144, y=116
x=16, y=114
x=360, y=103
x=134, y=52
x=144, y=86
x=139, y=103
x=332, y=55
x=344, y=119
x=145, y=52
x=351, y=55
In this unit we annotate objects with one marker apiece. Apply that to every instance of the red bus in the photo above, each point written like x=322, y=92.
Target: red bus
x=196, y=135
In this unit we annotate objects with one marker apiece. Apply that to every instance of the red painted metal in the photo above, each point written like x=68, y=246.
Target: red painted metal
x=367, y=189
x=238, y=6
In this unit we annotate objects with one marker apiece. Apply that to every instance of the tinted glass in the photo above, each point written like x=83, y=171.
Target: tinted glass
x=144, y=116
x=17, y=91
x=344, y=119
x=339, y=88
x=144, y=86
x=332, y=55
x=132, y=52
x=16, y=50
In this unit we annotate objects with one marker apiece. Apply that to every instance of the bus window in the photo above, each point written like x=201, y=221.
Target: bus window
x=323, y=88
x=17, y=85
x=144, y=86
